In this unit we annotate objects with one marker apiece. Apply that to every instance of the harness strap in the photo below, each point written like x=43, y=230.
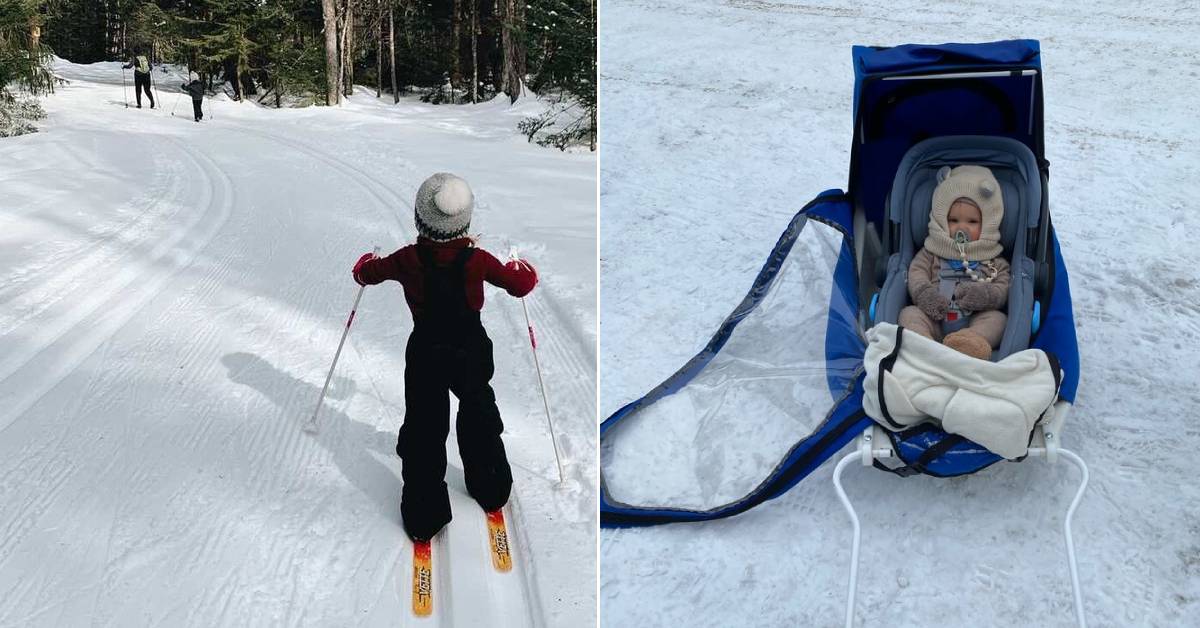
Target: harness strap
x=885, y=366
x=949, y=277
x=922, y=463
x=445, y=295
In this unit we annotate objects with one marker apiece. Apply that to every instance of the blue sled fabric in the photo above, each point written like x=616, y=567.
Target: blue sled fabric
x=843, y=352
x=923, y=57
x=993, y=96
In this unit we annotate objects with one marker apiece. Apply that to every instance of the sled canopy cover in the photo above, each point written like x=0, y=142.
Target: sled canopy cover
x=778, y=388
x=909, y=93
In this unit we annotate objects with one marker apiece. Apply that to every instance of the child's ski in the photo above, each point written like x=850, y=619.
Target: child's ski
x=498, y=537
x=422, y=584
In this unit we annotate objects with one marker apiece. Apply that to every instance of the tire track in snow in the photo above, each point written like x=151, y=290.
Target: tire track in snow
x=100, y=313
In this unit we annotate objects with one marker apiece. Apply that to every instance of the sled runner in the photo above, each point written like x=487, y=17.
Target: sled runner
x=785, y=376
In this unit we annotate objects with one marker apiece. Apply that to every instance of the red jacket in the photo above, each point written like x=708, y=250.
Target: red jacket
x=518, y=278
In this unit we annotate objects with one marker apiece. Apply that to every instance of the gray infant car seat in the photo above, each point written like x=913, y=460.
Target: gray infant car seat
x=1022, y=230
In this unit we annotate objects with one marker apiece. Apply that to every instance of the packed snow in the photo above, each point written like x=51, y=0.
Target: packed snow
x=720, y=120
x=173, y=293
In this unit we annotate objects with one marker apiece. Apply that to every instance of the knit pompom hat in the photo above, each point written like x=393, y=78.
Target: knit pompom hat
x=443, y=208
x=977, y=184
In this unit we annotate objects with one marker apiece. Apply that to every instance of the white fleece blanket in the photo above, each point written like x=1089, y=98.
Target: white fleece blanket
x=995, y=404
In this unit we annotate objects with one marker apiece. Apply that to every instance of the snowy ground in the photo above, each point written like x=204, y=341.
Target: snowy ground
x=172, y=295
x=719, y=121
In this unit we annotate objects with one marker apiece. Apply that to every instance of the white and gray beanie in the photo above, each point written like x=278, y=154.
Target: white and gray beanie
x=979, y=185
x=443, y=208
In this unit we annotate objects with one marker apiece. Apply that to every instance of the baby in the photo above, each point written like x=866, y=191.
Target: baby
x=958, y=281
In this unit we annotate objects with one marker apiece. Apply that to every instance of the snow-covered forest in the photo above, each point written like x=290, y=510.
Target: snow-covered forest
x=289, y=52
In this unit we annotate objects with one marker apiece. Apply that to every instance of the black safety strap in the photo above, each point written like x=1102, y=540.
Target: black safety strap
x=922, y=463
x=1056, y=370
x=885, y=366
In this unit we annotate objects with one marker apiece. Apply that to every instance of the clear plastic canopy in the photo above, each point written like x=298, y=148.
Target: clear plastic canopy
x=719, y=436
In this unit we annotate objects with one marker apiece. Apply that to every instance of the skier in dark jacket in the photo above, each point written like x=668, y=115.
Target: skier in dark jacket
x=448, y=351
x=141, y=77
x=196, y=90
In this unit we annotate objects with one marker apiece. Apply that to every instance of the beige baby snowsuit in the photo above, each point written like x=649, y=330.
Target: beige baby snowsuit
x=981, y=292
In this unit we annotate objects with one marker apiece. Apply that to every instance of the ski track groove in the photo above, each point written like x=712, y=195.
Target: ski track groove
x=10, y=600
x=522, y=565
x=177, y=252
x=371, y=187
x=367, y=182
x=50, y=477
x=570, y=384
x=92, y=301
x=197, y=366
x=218, y=204
x=53, y=285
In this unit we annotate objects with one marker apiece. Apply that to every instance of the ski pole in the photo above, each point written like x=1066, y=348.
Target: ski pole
x=157, y=98
x=545, y=401
x=176, y=103
x=312, y=427
x=124, y=87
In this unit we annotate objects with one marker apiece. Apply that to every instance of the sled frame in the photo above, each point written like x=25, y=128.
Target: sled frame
x=873, y=444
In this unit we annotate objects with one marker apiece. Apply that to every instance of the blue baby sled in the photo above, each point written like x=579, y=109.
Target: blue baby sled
x=787, y=376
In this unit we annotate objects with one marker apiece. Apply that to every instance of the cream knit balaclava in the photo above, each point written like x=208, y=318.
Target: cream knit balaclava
x=979, y=185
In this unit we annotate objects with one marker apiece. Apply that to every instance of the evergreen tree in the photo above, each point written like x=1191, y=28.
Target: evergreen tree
x=563, y=33
x=305, y=51
x=24, y=63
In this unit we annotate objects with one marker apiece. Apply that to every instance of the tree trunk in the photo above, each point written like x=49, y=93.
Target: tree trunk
x=341, y=69
x=379, y=51
x=474, y=51
x=392, y=45
x=348, y=50
x=593, y=80
x=35, y=33
x=329, y=12
x=513, y=51
x=456, y=47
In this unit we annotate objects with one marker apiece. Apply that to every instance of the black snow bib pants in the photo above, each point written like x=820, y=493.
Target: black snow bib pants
x=448, y=351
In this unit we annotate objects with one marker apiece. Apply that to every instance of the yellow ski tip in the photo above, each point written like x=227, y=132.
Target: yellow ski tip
x=422, y=584
x=498, y=537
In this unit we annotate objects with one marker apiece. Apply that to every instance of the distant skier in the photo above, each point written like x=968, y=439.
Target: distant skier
x=141, y=77
x=448, y=351
x=196, y=90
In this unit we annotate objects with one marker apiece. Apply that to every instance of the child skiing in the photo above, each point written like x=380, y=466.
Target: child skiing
x=196, y=90
x=141, y=77
x=448, y=351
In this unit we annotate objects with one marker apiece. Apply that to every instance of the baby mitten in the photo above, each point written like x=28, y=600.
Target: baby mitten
x=976, y=296
x=932, y=302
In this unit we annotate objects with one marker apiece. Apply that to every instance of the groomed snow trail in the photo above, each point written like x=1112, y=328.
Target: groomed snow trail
x=692, y=202
x=172, y=294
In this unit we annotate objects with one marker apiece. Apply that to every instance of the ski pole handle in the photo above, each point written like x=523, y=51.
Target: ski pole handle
x=312, y=426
